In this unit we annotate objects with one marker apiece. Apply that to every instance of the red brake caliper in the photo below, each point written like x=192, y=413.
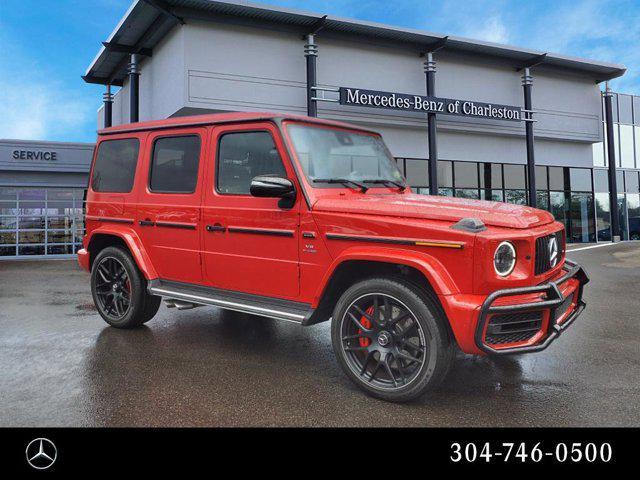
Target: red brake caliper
x=364, y=341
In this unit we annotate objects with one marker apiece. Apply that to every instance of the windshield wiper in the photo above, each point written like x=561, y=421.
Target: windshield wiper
x=401, y=186
x=343, y=181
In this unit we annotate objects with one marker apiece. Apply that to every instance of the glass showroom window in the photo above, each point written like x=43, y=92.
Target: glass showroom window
x=602, y=205
x=466, y=180
x=491, y=182
x=559, y=208
x=633, y=215
x=631, y=182
x=416, y=172
x=558, y=196
x=581, y=214
x=8, y=221
x=568, y=194
x=571, y=201
x=515, y=184
x=37, y=221
x=628, y=185
x=603, y=216
x=622, y=216
x=627, y=159
x=542, y=188
x=632, y=189
x=445, y=178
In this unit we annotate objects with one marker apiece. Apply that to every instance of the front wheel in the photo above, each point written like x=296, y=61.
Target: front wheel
x=390, y=339
x=120, y=290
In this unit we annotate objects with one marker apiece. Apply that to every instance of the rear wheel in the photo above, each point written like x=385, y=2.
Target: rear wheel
x=120, y=290
x=390, y=339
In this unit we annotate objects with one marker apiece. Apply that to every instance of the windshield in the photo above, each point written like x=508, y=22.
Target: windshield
x=329, y=154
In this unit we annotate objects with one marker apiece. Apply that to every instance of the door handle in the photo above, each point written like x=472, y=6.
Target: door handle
x=146, y=223
x=216, y=228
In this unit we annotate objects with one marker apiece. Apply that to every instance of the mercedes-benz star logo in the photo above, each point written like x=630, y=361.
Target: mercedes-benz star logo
x=41, y=453
x=553, y=251
x=383, y=339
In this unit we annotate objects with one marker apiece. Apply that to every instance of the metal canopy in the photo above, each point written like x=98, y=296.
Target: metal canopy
x=148, y=21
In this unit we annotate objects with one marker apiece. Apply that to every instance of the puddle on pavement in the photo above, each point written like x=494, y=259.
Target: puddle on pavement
x=83, y=309
x=626, y=259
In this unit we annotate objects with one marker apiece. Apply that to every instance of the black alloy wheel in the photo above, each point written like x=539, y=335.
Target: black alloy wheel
x=383, y=341
x=391, y=338
x=113, y=288
x=119, y=289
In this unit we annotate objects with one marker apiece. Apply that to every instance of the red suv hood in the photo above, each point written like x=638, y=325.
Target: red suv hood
x=446, y=209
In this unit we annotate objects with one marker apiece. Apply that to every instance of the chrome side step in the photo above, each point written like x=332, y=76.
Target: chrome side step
x=183, y=296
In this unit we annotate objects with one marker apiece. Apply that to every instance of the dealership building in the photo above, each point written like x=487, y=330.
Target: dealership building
x=462, y=117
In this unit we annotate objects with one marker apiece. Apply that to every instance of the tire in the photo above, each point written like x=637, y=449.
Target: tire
x=401, y=355
x=120, y=290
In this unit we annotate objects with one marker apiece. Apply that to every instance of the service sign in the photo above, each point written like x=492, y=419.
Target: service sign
x=418, y=103
x=47, y=156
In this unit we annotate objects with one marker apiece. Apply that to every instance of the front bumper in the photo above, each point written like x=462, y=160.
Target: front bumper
x=557, y=303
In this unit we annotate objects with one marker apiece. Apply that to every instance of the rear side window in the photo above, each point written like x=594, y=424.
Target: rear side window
x=244, y=155
x=115, y=166
x=174, y=165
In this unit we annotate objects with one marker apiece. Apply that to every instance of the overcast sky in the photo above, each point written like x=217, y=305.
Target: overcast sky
x=46, y=45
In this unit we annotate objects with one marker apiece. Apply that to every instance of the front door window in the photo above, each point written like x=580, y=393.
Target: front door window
x=243, y=156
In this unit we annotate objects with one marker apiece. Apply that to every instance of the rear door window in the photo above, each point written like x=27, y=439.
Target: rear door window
x=174, y=165
x=115, y=165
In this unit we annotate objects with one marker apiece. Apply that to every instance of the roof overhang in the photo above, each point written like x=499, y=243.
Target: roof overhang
x=146, y=22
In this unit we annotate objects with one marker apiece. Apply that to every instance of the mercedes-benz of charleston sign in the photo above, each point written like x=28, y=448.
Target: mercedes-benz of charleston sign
x=418, y=103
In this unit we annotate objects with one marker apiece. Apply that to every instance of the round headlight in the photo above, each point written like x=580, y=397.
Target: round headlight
x=504, y=259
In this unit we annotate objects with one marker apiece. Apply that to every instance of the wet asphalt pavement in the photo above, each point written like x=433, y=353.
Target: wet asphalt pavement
x=61, y=365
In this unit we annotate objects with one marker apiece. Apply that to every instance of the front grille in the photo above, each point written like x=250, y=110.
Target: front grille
x=513, y=327
x=543, y=254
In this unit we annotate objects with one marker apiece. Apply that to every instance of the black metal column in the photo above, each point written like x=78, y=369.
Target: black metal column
x=611, y=156
x=527, y=85
x=134, y=92
x=311, y=52
x=108, y=107
x=430, y=71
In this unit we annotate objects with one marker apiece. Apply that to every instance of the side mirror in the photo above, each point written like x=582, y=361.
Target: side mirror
x=274, y=187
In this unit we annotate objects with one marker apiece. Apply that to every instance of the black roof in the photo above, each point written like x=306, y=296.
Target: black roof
x=146, y=22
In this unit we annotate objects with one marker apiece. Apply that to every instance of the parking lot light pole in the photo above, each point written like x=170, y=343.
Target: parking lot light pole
x=108, y=107
x=611, y=156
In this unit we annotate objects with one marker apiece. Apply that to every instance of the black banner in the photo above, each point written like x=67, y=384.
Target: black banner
x=418, y=103
x=88, y=451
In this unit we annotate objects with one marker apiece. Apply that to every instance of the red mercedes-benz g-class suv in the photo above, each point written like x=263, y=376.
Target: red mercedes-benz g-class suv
x=308, y=220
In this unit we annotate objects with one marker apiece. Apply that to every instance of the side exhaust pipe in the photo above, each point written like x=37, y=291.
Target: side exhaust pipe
x=179, y=304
